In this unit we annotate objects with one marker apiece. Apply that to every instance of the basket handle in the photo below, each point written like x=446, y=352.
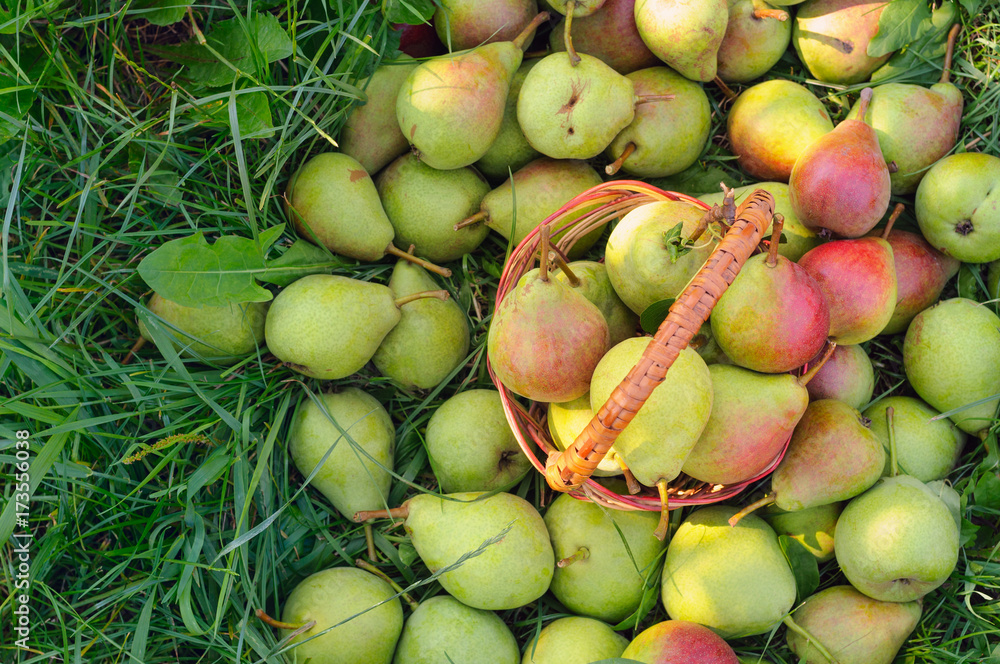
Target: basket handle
x=569, y=469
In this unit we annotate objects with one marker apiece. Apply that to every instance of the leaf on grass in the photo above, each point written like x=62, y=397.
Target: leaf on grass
x=971, y=6
x=159, y=12
x=987, y=493
x=898, y=25
x=803, y=564
x=929, y=44
x=411, y=12
x=252, y=112
x=653, y=316
x=194, y=273
x=968, y=281
x=301, y=259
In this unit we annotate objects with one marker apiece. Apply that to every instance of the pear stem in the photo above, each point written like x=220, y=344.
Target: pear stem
x=777, y=14
x=949, y=52
x=522, y=38
x=777, y=223
x=866, y=99
x=663, y=527
x=893, y=462
x=135, y=349
x=616, y=165
x=648, y=99
x=818, y=364
x=422, y=295
x=896, y=211
x=752, y=507
x=427, y=265
x=370, y=541
x=482, y=215
x=400, y=512
x=794, y=626
x=368, y=567
x=633, y=484
x=574, y=280
x=544, y=248
x=574, y=58
x=726, y=90
x=277, y=624
x=581, y=554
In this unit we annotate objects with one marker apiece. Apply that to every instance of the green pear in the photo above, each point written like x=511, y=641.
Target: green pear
x=643, y=264
x=770, y=124
x=831, y=38
x=943, y=490
x=927, y=449
x=217, y=333
x=848, y=376
x=363, y=610
x=606, y=558
x=441, y=629
x=609, y=35
x=565, y=421
x=897, y=541
x=574, y=640
x=371, y=133
x=470, y=444
x=855, y=629
x=332, y=201
x=753, y=414
x=757, y=35
x=812, y=527
x=666, y=137
x=679, y=642
x=465, y=24
x=685, y=34
x=510, y=150
x=958, y=207
x=356, y=435
x=310, y=311
x=733, y=579
x=573, y=111
x=951, y=355
x=796, y=238
x=832, y=456
x=594, y=284
x=423, y=205
x=659, y=438
x=492, y=551
x=431, y=338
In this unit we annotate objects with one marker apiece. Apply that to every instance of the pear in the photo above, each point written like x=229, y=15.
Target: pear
x=958, y=207
x=832, y=456
x=546, y=339
x=465, y=24
x=848, y=376
x=423, y=205
x=665, y=137
x=679, y=642
x=757, y=35
x=926, y=448
x=606, y=558
x=574, y=640
x=642, y=265
x=565, y=421
x=371, y=134
x=356, y=435
x=659, y=438
x=858, y=281
x=915, y=126
x=796, y=238
x=221, y=334
x=831, y=38
x=752, y=417
x=951, y=355
x=593, y=282
x=855, y=629
x=430, y=340
x=840, y=182
x=943, y=490
x=573, y=111
x=704, y=344
x=733, y=579
x=363, y=610
x=492, y=551
x=442, y=628
x=450, y=107
x=812, y=527
x=470, y=444
x=610, y=35
x=921, y=275
x=685, y=34
x=770, y=124
x=897, y=541
x=510, y=150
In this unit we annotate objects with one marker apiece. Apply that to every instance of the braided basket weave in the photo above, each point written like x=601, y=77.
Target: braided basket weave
x=570, y=470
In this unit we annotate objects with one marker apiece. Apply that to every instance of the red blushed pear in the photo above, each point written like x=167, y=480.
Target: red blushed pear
x=858, y=280
x=679, y=642
x=840, y=184
x=610, y=35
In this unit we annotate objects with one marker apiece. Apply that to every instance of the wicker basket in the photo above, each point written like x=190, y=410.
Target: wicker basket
x=570, y=470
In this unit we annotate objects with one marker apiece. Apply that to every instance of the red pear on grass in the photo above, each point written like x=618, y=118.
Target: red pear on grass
x=679, y=642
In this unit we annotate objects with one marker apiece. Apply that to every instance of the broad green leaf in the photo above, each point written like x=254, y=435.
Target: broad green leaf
x=412, y=12
x=15, y=14
x=194, y=273
x=653, y=316
x=968, y=281
x=272, y=40
x=971, y=6
x=987, y=493
x=160, y=12
x=803, y=564
x=930, y=44
x=898, y=25
x=301, y=259
x=252, y=111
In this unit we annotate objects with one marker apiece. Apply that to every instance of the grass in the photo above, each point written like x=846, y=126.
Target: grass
x=165, y=510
